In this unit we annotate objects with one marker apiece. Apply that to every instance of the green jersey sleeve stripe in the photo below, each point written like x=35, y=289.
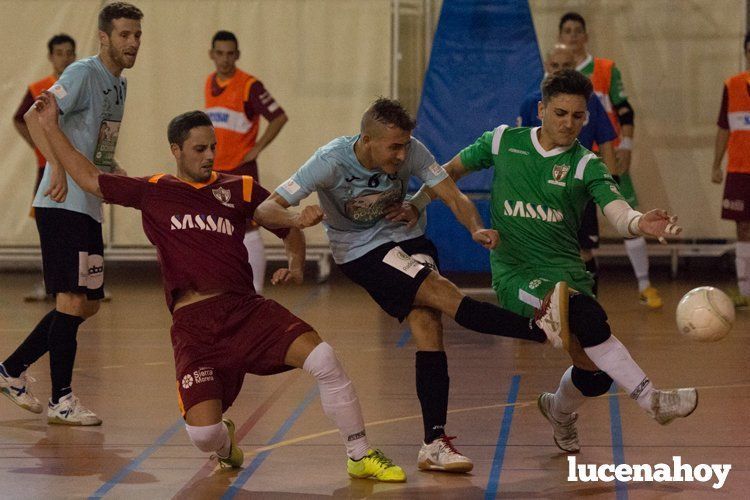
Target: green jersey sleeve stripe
x=581, y=167
x=497, y=134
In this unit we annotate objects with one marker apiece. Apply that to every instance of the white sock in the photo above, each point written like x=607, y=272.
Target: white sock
x=614, y=359
x=567, y=398
x=638, y=255
x=256, y=256
x=338, y=398
x=742, y=260
x=210, y=438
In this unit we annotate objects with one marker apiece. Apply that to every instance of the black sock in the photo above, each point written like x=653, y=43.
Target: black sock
x=593, y=268
x=484, y=317
x=62, y=353
x=432, y=390
x=31, y=349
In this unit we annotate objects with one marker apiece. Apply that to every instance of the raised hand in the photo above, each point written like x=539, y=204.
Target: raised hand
x=659, y=224
x=402, y=212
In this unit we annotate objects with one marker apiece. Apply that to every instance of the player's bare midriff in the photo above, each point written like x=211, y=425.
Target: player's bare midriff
x=191, y=297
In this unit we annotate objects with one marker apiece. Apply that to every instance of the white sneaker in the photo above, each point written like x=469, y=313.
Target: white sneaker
x=17, y=391
x=552, y=316
x=38, y=293
x=442, y=455
x=565, y=433
x=669, y=405
x=68, y=411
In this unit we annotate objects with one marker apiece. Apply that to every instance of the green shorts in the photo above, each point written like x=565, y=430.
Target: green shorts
x=627, y=189
x=522, y=291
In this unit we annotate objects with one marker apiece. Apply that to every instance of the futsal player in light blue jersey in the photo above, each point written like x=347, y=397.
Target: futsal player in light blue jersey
x=91, y=96
x=361, y=181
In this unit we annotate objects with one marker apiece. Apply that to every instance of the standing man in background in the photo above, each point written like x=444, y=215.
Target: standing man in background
x=235, y=101
x=91, y=96
x=61, y=53
x=609, y=88
x=597, y=130
x=734, y=131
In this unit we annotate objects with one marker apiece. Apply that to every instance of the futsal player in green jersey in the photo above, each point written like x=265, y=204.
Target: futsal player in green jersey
x=542, y=180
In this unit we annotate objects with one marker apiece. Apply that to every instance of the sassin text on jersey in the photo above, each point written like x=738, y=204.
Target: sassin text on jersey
x=202, y=221
x=531, y=211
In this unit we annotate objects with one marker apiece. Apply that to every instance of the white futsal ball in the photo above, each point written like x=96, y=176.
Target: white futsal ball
x=705, y=314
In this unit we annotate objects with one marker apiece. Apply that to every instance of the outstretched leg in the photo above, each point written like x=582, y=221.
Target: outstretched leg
x=588, y=322
x=341, y=405
x=439, y=293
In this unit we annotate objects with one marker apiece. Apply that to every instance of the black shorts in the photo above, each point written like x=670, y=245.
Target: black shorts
x=72, y=252
x=392, y=273
x=588, y=233
x=735, y=204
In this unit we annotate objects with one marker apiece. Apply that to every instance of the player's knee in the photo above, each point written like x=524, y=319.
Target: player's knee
x=591, y=383
x=76, y=304
x=588, y=320
x=426, y=328
x=322, y=363
x=90, y=308
x=207, y=438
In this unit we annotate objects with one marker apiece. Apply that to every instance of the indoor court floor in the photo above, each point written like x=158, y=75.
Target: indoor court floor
x=124, y=372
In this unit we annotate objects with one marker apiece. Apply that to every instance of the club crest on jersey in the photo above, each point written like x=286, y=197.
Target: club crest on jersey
x=223, y=195
x=558, y=174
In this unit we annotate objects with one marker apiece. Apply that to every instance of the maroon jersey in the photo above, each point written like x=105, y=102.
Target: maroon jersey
x=197, y=228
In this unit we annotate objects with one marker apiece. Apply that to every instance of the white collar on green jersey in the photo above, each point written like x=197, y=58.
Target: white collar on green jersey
x=541, y=150
x=585, y=62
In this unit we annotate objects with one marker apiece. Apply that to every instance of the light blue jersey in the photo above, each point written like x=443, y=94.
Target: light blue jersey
x=353, y=198
x=92, y=102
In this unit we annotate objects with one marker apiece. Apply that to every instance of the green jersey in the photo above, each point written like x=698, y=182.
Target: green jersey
x=538, y=197
x=616, y=90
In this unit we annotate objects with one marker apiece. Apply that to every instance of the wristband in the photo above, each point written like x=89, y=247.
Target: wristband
x=420, y=200
x=626, y=143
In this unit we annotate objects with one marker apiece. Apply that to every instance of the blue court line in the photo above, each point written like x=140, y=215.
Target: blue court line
x=243, y=476
x=502, y=440
x=404, y=338
x=618, y=452
x=134, y=464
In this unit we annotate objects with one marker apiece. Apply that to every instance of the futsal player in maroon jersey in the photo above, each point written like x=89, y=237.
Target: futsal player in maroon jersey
x=222, y=329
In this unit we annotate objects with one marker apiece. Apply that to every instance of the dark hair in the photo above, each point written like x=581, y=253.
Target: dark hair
x=181, y=125
x=567, y=81
x=59, y=40
x=224, y=36
x=389, y=112
x=572, y=16
x=117, y=10
x=747, y=40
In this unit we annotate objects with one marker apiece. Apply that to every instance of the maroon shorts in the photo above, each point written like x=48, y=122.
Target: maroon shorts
x=218, y=340
x=736, y=202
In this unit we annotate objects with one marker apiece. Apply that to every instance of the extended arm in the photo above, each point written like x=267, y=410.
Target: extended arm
x=58, y=187
x=274, y=213
x=631, y=223
x=461, y=206
x=294, y=245
x=83, y=172
x=720, y=146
